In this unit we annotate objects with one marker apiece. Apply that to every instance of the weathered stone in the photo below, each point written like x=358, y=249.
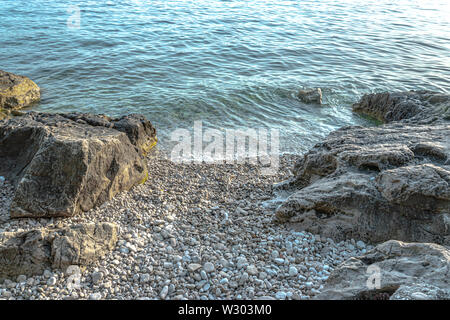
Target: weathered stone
x=138, y=129
x=311, y=95
x=420, y=292
x=17, y=91
x=411, y=106
x=374, y=184
x=32, y=252
x=395, y=270
x=63, y=164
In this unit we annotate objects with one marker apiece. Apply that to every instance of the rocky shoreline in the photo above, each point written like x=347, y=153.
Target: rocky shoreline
x=89, y=210
x=191, y=232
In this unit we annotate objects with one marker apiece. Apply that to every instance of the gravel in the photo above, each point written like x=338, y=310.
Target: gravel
x=192, y=231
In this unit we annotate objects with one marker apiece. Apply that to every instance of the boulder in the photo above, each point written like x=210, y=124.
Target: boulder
x=410, y=107
x=375, y=184
x=16, y=91
x=31, y=252
x=138, y=129
x=420, y=292
x=61, y=164
x=392, y=270
x=311, y=95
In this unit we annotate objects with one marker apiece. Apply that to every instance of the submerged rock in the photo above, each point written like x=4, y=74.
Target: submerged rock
x=62, y=164
x=31, y=252
x=16, y=92
x=311, y=95
x=375, y=184
x=392, y=270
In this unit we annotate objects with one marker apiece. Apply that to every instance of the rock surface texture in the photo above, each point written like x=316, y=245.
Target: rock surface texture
x=31, y=252
x=311, y=95
x=61, y=164
x=394, y=270
x=16, y=91
x=378, y=183
x=412, y=106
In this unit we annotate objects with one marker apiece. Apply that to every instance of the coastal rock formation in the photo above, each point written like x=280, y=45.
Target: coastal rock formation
x=138, y=129
x=311, y=95
x=61, y=164
x=409, y=107
x=31, y=252
x=378, y=183
x=16, y=92
x=395, y=270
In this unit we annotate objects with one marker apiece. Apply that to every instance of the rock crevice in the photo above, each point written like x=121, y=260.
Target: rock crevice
x=378, y=183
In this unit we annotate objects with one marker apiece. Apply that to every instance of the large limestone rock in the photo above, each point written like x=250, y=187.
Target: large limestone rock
x=412, y=106
x=16, y=91
x=62, y=164
x=31, y=252
x=395, y=270
x=375, y=184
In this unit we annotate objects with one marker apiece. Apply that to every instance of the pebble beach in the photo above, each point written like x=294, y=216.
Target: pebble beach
x=192, y=231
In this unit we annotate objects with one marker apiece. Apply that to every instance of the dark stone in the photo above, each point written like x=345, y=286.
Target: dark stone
x=378, y=183
x=63, y=164
x=31, y=252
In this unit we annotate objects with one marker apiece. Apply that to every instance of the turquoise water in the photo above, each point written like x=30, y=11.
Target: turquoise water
x=232, y=64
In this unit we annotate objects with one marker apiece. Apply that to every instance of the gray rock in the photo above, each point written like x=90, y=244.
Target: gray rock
x=192, y=267
x=47, y=274
x=241, y=262
x=293, y=271
x=63, y=164
x=164, y=292
x=144, y=278
x=360, y=244
x=97, y=277
x=411, y=106
x=408, y=267
x=374, y=184
x=51, y=281
x=266, y=298
x=33, y=252
x=17, y=91
x=420, y=292
x=252, y=270
x=138, y=129
x=280, y=295
x=209, y=267
x=95, y=296
x=279, y=261
x=311, y=95
x=275, y=254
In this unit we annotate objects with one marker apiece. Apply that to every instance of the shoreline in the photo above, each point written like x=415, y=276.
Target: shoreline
x=169, y=226
x=92, y=204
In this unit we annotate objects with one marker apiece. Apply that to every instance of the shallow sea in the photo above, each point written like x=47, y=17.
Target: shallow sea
x=231, y=64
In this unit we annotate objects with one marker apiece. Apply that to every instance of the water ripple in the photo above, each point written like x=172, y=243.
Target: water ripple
x=232, y=64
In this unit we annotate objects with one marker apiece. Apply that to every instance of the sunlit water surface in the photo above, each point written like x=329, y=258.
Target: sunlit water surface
x=231, y=64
